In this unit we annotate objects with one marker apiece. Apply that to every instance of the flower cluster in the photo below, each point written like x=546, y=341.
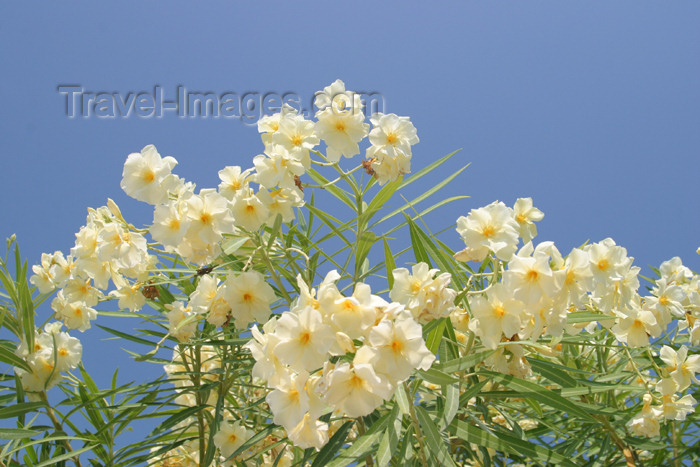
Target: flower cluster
x=427, y=297
x=242, y=252
x=54, y=352
x=335, y=353
x=537, y=290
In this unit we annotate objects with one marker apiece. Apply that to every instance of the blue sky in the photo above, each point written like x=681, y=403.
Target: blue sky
x=592, y=108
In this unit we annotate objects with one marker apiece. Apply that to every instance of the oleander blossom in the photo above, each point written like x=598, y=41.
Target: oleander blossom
x=490, y=229
x=294, y=356
x=147, y=176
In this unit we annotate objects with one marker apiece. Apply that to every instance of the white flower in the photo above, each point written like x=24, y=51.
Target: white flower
x=233, y=180
x=356, y=390
x=682, y=367
x=529, y=277
x=182, y=322
x=388, y=166
x=75, y=315
x=209, y=216
x=336, y=96
x=296, y=134
x=645, y=423
x=491, y=228
x=304, y=339
x=170, y=224
x=269, y=124
x=121, y=246
x=289, y=400
x=341, y=122
x=675, y=408
x=130, y=296
x=230, y=437
x=496, y=314
x=353, y=315
x=398, y=348
x=146, y=175
x=281, y=201
x=427, y=298
x=309, y=433
x=267, y=366
x=635, y=325
x=249, y=296
x=80, y=290
x=525, y=214
x=249, y=211
x=278, y=166
x=674, y=271
x=392, y=133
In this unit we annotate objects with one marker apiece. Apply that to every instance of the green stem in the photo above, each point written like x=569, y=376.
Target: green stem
x=273, y=273
x=58, y=426
x=416, y=423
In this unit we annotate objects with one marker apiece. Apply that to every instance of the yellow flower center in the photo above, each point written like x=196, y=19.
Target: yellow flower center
x=148, y=176
x=488, y=231
x=532, y=275
x=297, y=140
x=391, y=138
x=305, y=338
x=603, y=264
x=396, y=346
x=340, y=126
x=205, y=218
x=356, y=381
x=570, y=278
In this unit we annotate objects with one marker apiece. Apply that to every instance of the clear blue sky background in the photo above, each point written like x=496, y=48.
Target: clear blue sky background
x=592, y=108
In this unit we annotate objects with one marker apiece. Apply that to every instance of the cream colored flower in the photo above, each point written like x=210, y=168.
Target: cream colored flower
x=249, y=297
x=146, y=175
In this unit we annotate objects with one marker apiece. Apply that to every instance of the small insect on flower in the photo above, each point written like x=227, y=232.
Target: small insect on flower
x=150, y=292
x=205, y=270
x=297, y=182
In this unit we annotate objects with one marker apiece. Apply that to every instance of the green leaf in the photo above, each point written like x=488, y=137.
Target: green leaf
x=17, y=433
x=342, y=195
x=504, y=442
x=432, y=341
x=451, y=407
x=362, y=248
x=555, y=373
x=542, y=395
x=586, y=317
x=9, y=357
x=334, y=445
x=402, y=400
x=379, y=200
x=69, y=455
x=390, y=264
x=387, y=446
x=436, y=444
x=435, y=376
x=427, y=169
x=417, y=242
x=365, y=443
x=423, y=196
x=127, y=336
x=20, y=409
x=464, y=363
